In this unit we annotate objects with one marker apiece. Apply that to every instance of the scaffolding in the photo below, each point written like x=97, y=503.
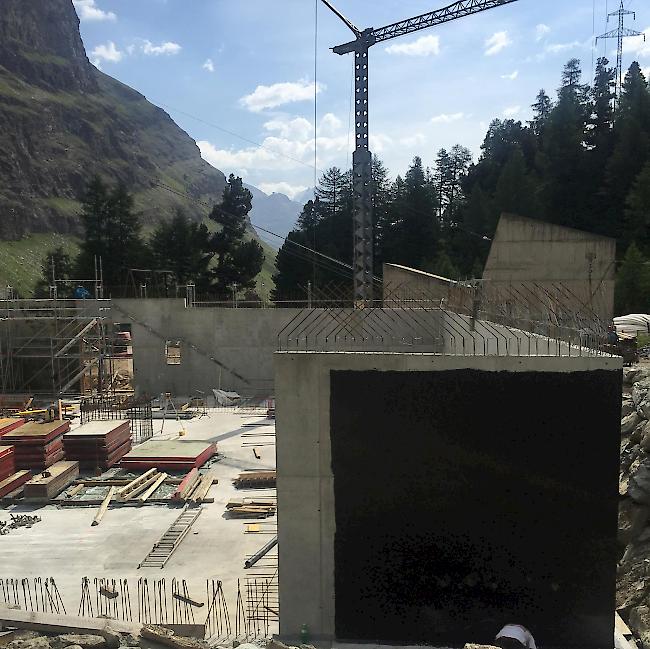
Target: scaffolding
x=55, y=347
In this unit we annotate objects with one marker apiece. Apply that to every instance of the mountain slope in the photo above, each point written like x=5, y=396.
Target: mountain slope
x=275, y=212
x=62, y=120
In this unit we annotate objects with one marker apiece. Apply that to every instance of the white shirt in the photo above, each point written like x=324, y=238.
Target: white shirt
x=518, y=632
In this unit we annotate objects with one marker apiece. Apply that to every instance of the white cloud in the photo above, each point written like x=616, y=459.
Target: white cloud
x=88, y=10
x=130, y=49
x=557, y=48
x=279, y=94
x=329, y=124
x=423, y=46
x=208, y=65
x=512, y=76
x=290, y=146
x=298, y=128
x=646, y=72
x=169, y=48
x=541, y=30
x=637, y=46
x=512, y=111
x=107, y=52
x=413, y=140
x=282, y=188
x=497, y=42
x=444, y=118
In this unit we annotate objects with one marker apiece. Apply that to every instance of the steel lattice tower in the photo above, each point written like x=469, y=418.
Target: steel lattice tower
x=620, y=33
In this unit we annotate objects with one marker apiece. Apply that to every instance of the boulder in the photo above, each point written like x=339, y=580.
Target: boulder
x=639, y=485
x=629, y=423
x=640, y=391
x=83, y=641
x=39, y=642
x=637, y=434
x=627, y=407
x=632, y=518
x=639, y=624
x=645, y=442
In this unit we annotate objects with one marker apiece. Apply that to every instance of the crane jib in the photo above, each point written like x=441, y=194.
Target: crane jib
x=454, y=11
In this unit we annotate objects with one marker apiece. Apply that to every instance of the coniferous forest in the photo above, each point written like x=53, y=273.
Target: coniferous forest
x=583, y=161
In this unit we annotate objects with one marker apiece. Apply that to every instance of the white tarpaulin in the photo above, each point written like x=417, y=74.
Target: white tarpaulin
x=224, y=398
x=634, y=323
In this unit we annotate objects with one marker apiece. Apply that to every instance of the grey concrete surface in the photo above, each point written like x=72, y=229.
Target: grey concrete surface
x=305, y=481
x=241, y=343
x=66, y=547
x=525, y=250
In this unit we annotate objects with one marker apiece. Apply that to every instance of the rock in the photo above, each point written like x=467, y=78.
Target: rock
x=639, y=623
x=637, y=434
x=632, y=518
x=480, y=646
x=645, y=442
x=627, y=407
x=640, y=391
x=39, y=642
x=639, y=485
x=276, y=644
x=629, y=423
x=83, y=641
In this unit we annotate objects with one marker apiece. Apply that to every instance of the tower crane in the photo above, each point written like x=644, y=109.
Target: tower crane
x=362, y=158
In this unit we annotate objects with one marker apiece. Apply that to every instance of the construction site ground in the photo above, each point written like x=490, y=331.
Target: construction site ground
x=65, y=546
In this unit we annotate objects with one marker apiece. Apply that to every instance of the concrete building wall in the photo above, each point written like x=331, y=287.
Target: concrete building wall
x=306, y=501
x=526, y=250
x=403, y=281
x=228, y=348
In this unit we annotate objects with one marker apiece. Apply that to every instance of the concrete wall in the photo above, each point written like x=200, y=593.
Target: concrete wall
x=306, y=505
x=402, y=281
x=240, y=342
x=526, y=250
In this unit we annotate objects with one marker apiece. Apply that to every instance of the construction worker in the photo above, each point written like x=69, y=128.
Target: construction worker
x=515, y=636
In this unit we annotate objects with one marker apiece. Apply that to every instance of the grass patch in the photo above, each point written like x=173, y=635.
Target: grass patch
x=21, y=261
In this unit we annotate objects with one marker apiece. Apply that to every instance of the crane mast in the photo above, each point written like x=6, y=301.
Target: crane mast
x=362, y=227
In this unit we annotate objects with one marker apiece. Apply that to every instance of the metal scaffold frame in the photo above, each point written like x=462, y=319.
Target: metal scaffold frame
x=57, y=347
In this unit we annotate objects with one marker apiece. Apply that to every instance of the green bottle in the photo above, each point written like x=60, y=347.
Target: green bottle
x=304, y=634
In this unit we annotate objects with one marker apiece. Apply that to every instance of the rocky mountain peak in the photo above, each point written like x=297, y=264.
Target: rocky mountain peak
x=40, y=43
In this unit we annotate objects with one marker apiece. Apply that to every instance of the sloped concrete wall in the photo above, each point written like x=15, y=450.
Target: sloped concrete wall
x=527, y=250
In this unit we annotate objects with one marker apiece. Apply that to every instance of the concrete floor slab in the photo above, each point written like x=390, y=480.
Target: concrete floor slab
x=65, y=546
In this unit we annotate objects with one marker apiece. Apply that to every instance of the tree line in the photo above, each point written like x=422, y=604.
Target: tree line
x=217, y=260
x=582, y=161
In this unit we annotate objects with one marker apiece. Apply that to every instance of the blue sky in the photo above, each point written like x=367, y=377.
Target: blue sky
x=247, y=66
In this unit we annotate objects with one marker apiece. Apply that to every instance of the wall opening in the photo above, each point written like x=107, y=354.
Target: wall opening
x=173, y=352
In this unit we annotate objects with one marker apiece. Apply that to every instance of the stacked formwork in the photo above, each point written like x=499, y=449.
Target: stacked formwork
x=54, y=347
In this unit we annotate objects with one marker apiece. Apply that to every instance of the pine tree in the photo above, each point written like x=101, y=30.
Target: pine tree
x=182, y=246
x=294, y=263
x=112, y=236
x=515, y=191
x=631, y=145
x=238, y=262
x=562, y=160
x=637, y=213
x=633, y=283
x=541, y=112
x=59, y=262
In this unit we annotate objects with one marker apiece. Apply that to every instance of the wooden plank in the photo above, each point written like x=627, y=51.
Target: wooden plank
x=184, y=488
x=14, y=481
x=140, y=488
x=103, y=507
x=62, y=624
x=159, y=480
x=52, y=481
x=134, y=484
